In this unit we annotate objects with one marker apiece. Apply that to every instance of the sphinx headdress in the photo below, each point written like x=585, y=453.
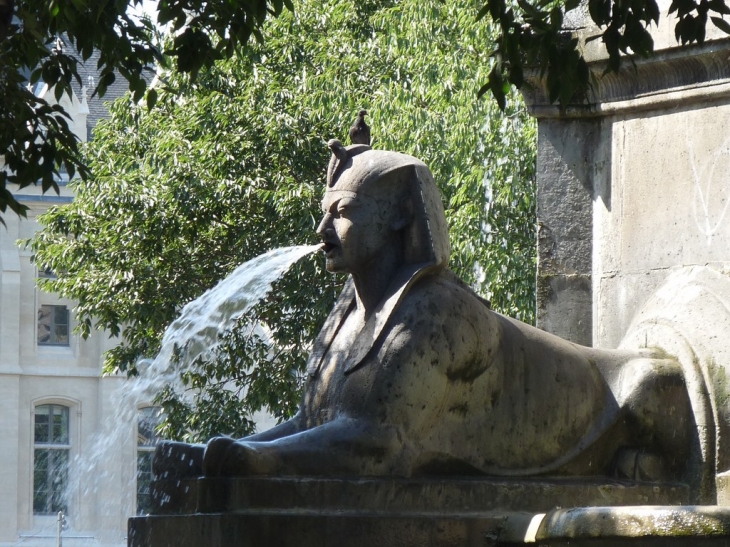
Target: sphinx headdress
x=357, y=168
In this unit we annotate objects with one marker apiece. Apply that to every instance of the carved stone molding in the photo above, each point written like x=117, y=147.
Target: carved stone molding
x=671, y=78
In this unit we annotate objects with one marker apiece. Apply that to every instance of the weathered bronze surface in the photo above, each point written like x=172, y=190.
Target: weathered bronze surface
x=414, y=375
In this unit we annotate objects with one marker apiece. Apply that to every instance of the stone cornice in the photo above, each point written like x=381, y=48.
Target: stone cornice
x=673, y=77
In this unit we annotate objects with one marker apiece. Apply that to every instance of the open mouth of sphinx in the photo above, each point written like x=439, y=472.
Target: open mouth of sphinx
x=327, y=247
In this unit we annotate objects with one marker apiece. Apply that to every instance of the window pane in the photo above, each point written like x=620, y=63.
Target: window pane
x=53, y=325
x=60, y=424
x=51, y=424
x=44, y=325
x=61, y=315
x=50, y=465
x=144, y=482
x=60, y=335
x=50, y=479
x=40, y=499
x=41, y=481
x=59, y=480
x=41, y=424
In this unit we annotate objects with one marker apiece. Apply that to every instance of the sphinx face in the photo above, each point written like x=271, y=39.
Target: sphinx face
x=356, y=229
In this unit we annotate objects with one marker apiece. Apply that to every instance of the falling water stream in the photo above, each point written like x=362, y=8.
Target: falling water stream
x=195, y=333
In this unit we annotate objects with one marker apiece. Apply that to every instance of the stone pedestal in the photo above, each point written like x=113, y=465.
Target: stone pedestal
x=642, y=526
x=398, y=512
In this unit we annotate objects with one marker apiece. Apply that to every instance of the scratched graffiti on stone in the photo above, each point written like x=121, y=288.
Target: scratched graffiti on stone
x=711, y=178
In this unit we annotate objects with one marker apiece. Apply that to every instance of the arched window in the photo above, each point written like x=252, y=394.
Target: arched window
x=148, y=419
x=51, y=446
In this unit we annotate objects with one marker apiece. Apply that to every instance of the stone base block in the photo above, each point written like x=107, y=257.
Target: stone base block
x=307, y=529
x=404, y=496
x=643, y=526
x=633, y=526
x=305, y=512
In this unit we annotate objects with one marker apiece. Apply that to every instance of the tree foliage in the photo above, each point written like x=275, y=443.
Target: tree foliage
x=35, y=139
x=531, y=37
x=232, y=164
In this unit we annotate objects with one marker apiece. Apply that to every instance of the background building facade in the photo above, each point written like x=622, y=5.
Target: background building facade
x=65, y=444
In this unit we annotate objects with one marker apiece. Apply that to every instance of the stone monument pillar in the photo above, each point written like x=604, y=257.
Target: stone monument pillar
x=632, y=185
x=633, y=196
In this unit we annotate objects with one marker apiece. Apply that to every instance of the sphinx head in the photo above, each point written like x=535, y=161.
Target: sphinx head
x=381, y=205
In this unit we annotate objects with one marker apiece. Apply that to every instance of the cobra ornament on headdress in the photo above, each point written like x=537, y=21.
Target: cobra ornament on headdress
x=341, y=156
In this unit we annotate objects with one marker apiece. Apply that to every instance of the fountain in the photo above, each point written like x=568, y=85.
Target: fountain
x=429, y=419
x=196, y=332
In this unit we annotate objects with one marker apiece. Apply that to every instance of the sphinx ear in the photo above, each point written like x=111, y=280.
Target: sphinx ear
x=405, y=215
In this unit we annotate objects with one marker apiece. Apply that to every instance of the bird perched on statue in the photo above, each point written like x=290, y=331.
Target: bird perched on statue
x=360, y=131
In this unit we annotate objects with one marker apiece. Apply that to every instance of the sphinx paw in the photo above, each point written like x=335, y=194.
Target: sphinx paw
x=214, y=455
x=175, y=460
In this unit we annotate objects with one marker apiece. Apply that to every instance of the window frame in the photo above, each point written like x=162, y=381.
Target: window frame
x=52, y=447
x=52, y=326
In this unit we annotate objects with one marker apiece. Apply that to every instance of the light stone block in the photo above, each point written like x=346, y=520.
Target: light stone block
x=669, y=209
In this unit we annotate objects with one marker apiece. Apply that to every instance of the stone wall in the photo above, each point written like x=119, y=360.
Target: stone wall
x=632, y=185
x=567, y=172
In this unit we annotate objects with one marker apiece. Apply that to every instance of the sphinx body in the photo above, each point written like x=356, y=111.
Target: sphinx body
x=413, y=373
x=454, y=388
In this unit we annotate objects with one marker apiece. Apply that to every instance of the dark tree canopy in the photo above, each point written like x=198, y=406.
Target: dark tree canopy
x=530, y=36
x=35, y=138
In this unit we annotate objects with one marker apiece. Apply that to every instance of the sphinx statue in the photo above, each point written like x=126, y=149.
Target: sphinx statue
x=414, y=375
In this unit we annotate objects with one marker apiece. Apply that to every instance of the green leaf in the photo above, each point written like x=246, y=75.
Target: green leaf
x=556, y=18
x=600, y=11
x=721, y=24
x=719, y=6
x=496, y=8
x=108, y=78
x=151, y=98
x=483, y=90
x=652, y=10
x=498, y=88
